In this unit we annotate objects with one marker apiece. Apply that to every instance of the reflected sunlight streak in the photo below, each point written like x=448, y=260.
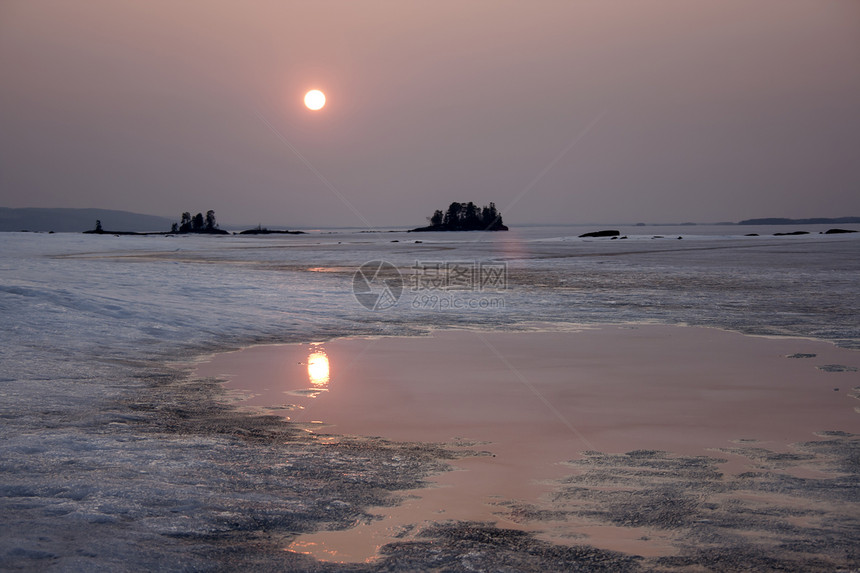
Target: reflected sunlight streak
x=318, y=368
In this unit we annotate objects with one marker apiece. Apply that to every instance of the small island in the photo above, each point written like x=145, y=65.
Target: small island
x=188, y=224
x=198, y=224
x=465, y=217
x=261, y=230
x=99, y=230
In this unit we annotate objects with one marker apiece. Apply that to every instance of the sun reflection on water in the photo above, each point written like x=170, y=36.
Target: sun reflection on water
x=318, y=367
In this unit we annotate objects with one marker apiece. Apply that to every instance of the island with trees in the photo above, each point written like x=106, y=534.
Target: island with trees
x=99, y=230
x=465, y=217
x=198, y=224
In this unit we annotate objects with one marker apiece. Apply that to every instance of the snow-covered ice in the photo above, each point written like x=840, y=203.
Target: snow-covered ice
x=99, y=468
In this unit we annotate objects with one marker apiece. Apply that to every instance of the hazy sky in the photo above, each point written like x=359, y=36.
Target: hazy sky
x=559, y=111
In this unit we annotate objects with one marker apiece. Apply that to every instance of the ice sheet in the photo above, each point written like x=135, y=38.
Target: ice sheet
x=89, y=321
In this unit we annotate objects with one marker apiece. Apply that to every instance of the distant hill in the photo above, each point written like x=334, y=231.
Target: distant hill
x=817, y=221
x=78, y=220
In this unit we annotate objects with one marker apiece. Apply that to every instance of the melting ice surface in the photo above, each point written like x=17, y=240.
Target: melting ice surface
x=86, y=318
x=554, y=395
x=138, y=296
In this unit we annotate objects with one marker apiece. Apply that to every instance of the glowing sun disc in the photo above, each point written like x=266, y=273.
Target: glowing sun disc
x=314, y=100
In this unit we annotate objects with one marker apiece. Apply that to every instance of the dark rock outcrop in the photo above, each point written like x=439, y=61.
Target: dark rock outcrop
x=607, y=233
x=269, y=232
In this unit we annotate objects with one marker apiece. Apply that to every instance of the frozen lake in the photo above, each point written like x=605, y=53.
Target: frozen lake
x=105, y=439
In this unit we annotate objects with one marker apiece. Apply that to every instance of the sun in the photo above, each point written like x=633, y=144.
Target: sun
x=314, y=100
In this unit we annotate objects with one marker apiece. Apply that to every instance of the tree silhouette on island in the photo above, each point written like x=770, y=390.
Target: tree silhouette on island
x=458, y=217
x=465, y=217
x=188, y=224
x=198, y=224
x=99, y=230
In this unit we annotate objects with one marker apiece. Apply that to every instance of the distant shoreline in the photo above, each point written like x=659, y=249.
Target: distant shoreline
x=71, y=220
x=812, y=221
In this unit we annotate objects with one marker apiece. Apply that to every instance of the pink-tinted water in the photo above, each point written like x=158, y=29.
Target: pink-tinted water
x=536, y=399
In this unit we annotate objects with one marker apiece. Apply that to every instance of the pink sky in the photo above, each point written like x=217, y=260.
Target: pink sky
x=670, y=110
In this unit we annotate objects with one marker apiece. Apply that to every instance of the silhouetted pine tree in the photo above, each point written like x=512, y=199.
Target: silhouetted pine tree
x=185, y=223
x=471, y=219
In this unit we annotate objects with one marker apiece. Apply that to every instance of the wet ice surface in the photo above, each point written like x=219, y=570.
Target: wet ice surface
x=691, y=391
x=112, y=458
